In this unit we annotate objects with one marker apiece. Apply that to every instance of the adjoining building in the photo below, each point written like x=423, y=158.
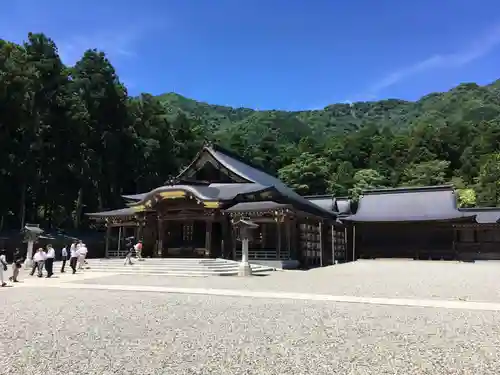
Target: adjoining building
x=192, y=215
x=422, y=223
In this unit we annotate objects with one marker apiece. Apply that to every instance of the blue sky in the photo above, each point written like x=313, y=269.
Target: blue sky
x=275, y=54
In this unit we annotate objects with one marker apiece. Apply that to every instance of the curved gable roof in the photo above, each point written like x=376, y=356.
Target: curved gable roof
x=255, y=175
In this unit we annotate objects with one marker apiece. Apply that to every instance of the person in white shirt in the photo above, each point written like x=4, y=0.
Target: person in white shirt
x=3, y=267
x=39, y=259
x=64, y=257
x=49, y=260
x=73, y=257
x=82, y=253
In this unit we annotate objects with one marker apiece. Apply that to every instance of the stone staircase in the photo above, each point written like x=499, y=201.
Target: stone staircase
x=172, y=267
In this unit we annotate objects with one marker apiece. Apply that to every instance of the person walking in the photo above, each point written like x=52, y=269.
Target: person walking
x=3, y=267
x=16, y=266
x=39, y=258
x=128, y=257
x=82, y=253
x=138, y=250
x=64, y=257
x=34, y=266
x=73, y=253
x=49, y=260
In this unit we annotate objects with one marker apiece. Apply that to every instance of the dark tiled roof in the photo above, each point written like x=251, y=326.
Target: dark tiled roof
x=135, y=197
x=253, y=174
x=212, y=192
x=128, y=211
x=258, y=181
x=484, y=215
x=256, y=206
x=433, y=203
x=323, y=201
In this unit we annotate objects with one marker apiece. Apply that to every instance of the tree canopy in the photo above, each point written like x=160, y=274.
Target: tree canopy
x=72, y=139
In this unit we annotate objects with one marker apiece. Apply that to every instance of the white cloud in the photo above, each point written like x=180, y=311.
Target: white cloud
x=114, y=44
x=479, y=48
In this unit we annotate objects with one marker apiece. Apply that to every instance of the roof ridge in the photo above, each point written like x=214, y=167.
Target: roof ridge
x=472, y=209
x=235, y=156
x=319, y=196
x=409, y=189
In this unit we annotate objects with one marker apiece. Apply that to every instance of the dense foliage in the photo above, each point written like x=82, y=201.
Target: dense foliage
x=72, y=140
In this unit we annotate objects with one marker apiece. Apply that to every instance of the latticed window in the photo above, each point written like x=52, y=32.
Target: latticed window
x=187, y=232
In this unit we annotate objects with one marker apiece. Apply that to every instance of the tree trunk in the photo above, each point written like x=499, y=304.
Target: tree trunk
x=50, y=214
x=79, y=208
x=22, y=209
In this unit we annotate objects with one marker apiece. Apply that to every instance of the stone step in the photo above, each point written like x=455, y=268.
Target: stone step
x=166, y=260
x=171, y=267
x=176, y=272
x=163, y=261
x=159, y=266
x=147, y=263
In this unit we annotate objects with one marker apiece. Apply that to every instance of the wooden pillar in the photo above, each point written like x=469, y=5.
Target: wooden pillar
x=353, y=243
x=278, y=240
x=295, y=244
x=454, y=243
x=346, y=246
x=320, y=228
x=208, y=238
x=333, y=243
x=233, y=241
x=225, y=240
x=159, y=246
x=119, y=239
x=288, y=238
x=140, y=226
x=108, y=233
x=263, y=231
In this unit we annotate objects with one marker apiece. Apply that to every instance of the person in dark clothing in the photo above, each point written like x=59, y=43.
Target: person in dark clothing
x=34, y=267
x=73, y=256
x=49, y=260
x=16, y=266
x=64, y=257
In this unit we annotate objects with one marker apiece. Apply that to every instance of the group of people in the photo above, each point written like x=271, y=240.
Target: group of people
x=77, y=254
x=16, y=266
x=44, y=258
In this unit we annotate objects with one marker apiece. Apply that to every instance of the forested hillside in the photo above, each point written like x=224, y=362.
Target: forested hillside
x=72, y=140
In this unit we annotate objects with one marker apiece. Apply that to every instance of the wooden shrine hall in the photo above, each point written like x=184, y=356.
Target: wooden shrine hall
x=192, y=216
x=422, y=223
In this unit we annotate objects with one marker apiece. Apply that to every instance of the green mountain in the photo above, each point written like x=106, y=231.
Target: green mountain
x=466, y=102
x=73, y=141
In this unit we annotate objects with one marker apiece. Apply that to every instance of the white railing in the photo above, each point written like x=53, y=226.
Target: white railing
x=264, y=254
x=117, y=253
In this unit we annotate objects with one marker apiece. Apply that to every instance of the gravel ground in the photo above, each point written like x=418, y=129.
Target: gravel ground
x=104, y=332
x=379, y=278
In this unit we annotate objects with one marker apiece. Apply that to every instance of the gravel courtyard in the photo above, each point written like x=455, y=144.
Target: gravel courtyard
x=365, y=278
x=59, y=331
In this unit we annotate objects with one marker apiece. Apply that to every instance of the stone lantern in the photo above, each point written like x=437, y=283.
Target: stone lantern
x=31, y=233
x=245, y=229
